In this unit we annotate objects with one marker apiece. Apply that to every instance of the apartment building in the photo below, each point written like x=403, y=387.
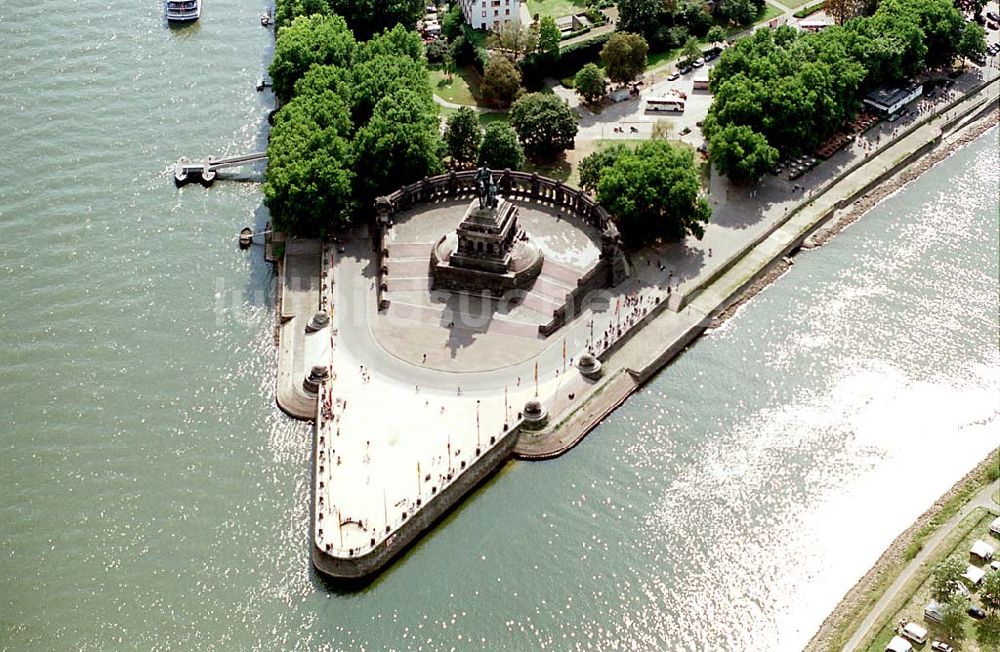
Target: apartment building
x=490, y=14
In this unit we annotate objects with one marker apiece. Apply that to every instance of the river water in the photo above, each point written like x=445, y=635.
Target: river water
x=154, y=498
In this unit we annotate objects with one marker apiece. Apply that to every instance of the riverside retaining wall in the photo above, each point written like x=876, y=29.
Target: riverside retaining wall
x=366, y=565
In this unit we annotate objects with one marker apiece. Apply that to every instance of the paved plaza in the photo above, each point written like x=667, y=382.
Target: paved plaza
x=399, y=426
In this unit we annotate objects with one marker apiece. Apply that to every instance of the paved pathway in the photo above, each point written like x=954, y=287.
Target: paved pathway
x=981, y=499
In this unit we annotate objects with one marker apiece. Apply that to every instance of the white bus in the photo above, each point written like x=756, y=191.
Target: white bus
x=665, y=104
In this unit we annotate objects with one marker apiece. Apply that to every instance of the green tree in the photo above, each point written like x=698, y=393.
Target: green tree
x=324, y=79
x=946, y=578
x=398, y=41
x=590, y=83
x=843, y=10
x=989, y=592
x=513, y=40
x=741, y=12
x=545, y=125
x=398, y=146
x=988, y=632
x=741, y=153
x=594, y=164
x=382, y=75
x=972, y=44
x=654, y=193
x=716, y=34
x=287, y=11
x=308, y=41
x=453, y=23
x=691, y=50
x=501, y=80
x=643, y=16
x=369, y=17
x=500, y=149
x=462, y=136
x=953, y=617
x=437, y=50
x=307, y=185
x=549, y=36
x=624, y=56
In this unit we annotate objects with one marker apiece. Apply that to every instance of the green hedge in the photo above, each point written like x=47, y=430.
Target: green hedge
x=808, y=10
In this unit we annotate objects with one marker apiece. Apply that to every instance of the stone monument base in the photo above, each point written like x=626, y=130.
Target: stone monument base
x=496, y=256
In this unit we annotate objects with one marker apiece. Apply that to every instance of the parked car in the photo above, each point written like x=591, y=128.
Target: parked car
x=938, y=646
x=699, y=62
x=674, y=76
x=992, y=15
x=991, y=25
x=948, y=83
x=685, y=70
x=976, y=613
x=895, y=116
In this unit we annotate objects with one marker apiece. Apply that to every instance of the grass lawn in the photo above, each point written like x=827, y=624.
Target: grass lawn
x=915, y=594
x=462, y=89
x=485, y=119
x=770, y=11
x=555, y=8
x=793, y=4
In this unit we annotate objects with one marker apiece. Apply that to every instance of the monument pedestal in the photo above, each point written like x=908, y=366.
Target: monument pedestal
x=487, y=252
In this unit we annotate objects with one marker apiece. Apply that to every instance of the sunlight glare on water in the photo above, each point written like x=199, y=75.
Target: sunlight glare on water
x=157, y=499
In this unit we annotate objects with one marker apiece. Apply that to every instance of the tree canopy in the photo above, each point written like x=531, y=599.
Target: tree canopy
x=309, y=177
x=953, y=617
x=399, y=144
x=592, y=166
x=545, y=125
x=308, y=41
x=501, y=80
x=590, y=83
x=500, y=148
x=972, y=43
x=654, y=192
x=946, y=578
x=795, y=89
x=548, y=36
x=989, y=592
x=741, y=153
x=513, y=40
x=369, y=17
x=462, y=136
x=382, y=75
x=624, y=56
x=641, y=16
x=349, y=106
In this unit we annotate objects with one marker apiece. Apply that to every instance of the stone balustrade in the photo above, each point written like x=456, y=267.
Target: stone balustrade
x=526, y=185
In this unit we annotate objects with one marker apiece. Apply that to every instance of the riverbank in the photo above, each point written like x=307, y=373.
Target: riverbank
x=674, y=324
x=846, y=618
x=862, y=206
x=361, y=534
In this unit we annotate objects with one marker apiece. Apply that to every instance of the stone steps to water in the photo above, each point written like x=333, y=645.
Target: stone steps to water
x=435, y=315
x=541, y=303
x=406, y=283
x=560, y=272
x=552, y=288
x=414, y=250
x=407, y=266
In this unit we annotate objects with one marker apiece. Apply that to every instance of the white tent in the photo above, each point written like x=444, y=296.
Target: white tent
x=995, y=526
x=982, y=550
x=898, y=644
x=973, y=574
